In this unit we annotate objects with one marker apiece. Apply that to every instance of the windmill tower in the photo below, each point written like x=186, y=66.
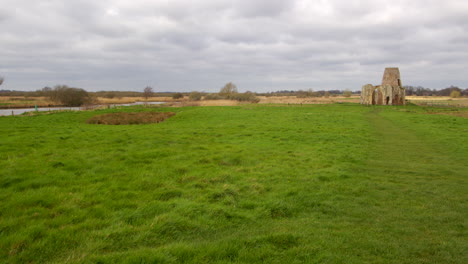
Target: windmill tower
x=391, y=92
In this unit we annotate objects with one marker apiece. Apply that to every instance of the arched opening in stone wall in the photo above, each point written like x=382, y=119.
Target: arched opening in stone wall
x=387, y=100
x=374, y=94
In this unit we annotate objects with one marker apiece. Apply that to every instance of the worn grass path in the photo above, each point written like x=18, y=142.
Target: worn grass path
x=419, y=188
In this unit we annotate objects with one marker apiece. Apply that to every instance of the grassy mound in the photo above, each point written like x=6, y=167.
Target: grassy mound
x=130, y=118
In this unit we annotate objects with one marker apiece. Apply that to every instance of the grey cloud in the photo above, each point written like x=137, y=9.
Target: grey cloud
x=261, y=45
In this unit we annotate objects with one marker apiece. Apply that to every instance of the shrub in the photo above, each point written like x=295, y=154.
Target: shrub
x=109, y=95
x=347, y=93
x=69, y=96
x=304, y=94
x=177, y=96
x=213, y=96
x=130, y=118
x=195, y=96
x=245, y=97
x=455, y=94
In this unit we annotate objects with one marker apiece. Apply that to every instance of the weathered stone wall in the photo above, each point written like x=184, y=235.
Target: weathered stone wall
x=367, y=93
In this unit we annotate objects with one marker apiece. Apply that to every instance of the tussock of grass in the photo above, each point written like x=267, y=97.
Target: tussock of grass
x=130, y=118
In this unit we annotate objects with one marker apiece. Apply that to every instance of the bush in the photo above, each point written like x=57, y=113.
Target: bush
x=69, y=96
x=213, y=96
x=347, y=93
x=245, y=97
x=304, y=94
x=177, y=96
x=195, y=96
x=109, y=95
x=455, y=94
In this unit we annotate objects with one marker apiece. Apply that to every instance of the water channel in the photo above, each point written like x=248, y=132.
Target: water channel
x=19, y=111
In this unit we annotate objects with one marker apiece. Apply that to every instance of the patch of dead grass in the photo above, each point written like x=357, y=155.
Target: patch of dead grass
x=438, y=101
x=130, y=118
x=308, y=100
x=24, y=102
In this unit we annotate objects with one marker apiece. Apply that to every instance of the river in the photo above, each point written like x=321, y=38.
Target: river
x=19, y=111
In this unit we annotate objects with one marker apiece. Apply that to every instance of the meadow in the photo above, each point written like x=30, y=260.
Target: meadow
x=331, y=183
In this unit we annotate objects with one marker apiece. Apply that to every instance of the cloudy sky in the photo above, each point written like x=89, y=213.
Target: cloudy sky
x=260, y=45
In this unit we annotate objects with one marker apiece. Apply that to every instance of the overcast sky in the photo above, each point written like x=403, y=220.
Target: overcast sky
x=260, y=45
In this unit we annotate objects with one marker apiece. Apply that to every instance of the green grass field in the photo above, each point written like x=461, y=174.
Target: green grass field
x=338, y=183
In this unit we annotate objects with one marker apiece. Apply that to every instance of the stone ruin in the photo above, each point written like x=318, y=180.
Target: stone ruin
x=390, y=92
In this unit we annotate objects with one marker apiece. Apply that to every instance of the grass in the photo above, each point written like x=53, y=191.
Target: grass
x=337, y=183
x=129, y=118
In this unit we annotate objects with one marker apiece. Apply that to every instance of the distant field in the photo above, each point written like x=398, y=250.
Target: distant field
x=438, y=101
x=24, y=102
x=330, y=183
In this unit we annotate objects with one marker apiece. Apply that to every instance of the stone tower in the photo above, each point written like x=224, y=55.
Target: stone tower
x=391, y=76
x=390, y=92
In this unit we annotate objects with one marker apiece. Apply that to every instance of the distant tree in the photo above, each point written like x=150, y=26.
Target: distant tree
x=177, y=96
x=409, y=90
x=455, y=94
x=195, y=96
x=228, y=90
x=46, y=89
x=304, y=94
x=109, y=95
x=464, y=92
x=69, y=96
x=147, y=92
x=347, y=93
x=448, y=91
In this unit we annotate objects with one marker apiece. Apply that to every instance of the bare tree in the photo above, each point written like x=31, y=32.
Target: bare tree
x=147, y=92
x=228, y=90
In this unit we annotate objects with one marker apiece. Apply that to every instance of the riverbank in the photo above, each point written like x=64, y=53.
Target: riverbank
x=19, y=111
x=21, y=102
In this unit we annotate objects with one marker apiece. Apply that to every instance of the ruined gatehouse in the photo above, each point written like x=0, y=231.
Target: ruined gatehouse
x=391, y=92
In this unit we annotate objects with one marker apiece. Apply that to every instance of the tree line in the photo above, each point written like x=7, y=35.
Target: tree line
x=70, y=96
x=421, y=91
